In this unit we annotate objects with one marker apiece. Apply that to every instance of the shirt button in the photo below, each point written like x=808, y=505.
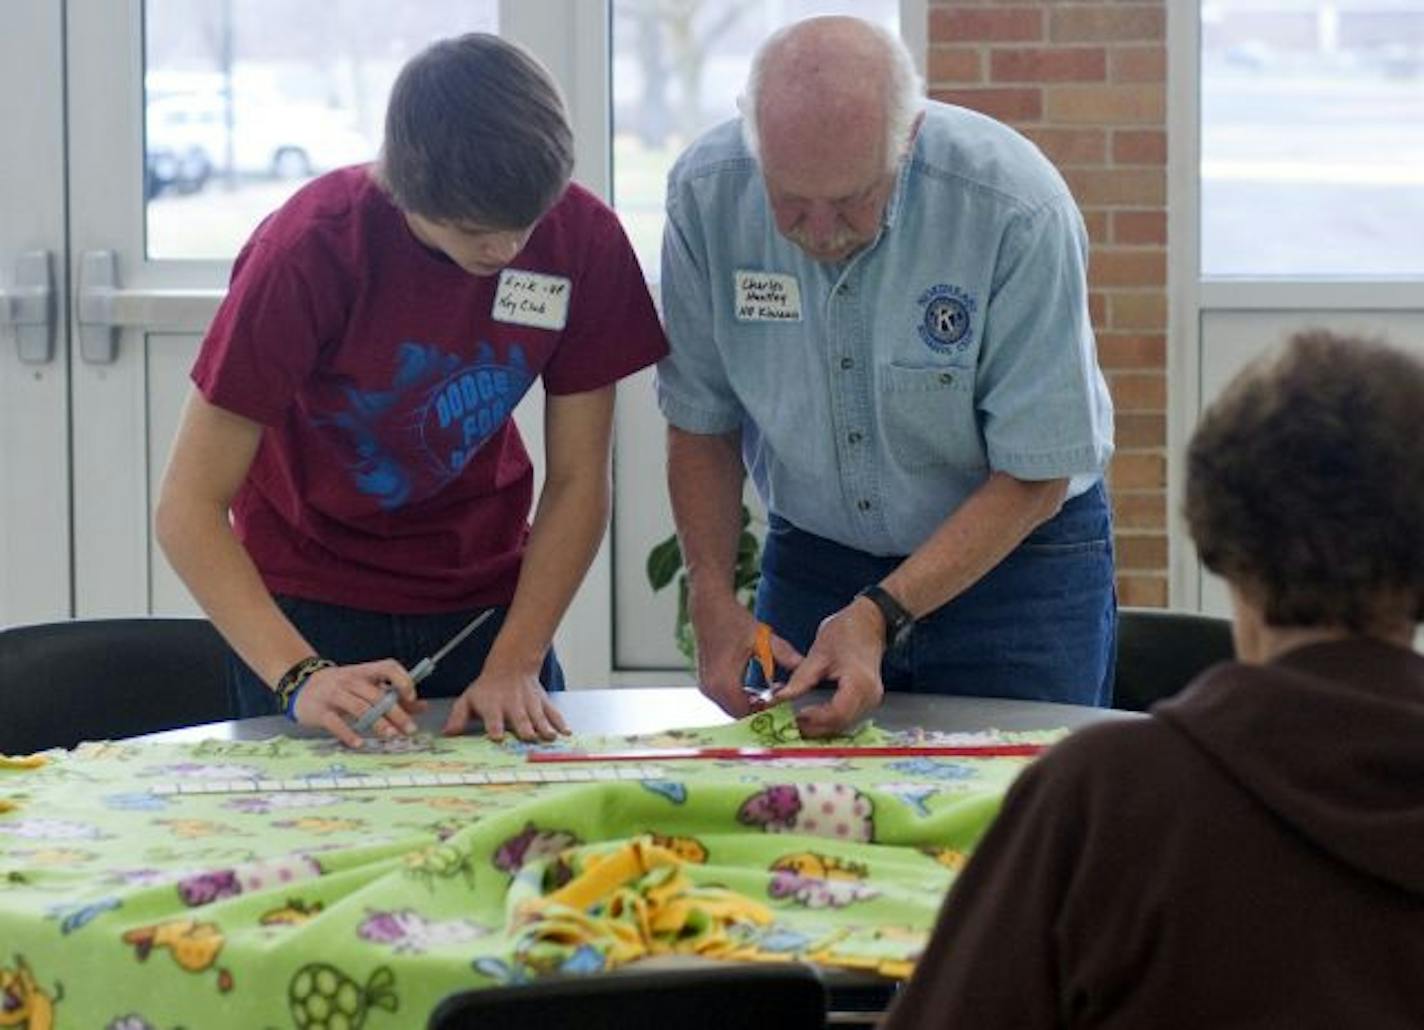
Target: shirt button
x=847, y=362
x=863, y=504
x=946, y=378
x=854, y=437
x=843, y=289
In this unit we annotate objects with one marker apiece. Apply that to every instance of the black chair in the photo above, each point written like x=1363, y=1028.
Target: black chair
x=1159, y=652
x=706, y=996
x=97, y=679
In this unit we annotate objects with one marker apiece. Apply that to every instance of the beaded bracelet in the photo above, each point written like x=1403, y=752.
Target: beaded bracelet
x=294, y=679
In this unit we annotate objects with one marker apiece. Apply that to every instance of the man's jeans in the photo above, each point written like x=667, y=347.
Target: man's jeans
x=349, y=636
x=1040, y=626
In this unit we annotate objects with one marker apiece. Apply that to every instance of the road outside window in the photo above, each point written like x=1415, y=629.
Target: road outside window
x=1312, y=138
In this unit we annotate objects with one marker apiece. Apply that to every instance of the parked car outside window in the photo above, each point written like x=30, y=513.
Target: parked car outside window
x=187, y=140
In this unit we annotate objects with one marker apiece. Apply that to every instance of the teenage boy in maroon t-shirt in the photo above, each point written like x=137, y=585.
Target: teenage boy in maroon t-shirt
x=347, y=488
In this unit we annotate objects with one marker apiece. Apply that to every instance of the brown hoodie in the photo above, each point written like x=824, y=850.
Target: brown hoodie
x=1251, y=855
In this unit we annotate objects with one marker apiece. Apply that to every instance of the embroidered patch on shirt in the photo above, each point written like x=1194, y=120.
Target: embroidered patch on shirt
x=767, y=297
x=947, y=319
x=532, y=299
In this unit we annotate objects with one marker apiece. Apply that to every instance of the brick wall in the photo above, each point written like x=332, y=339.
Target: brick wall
x=1087, y=82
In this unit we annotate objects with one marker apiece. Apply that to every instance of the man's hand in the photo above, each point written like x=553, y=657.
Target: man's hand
x=513, y=700
x=847, y=649
x=726, y=640
x=333, y=698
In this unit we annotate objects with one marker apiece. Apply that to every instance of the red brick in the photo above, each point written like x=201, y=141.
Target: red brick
x=1143, y=510
x=1139, y=227
x=1136, y=551
x=1117, y=187
x=1140, y=591
x=1009, y=105
x=1138, y=471
x=955, y=64
x=1067, y=64
x=1134, y=391
x=1132, y=350
x=1137, y=64
x=1140, y=429
x=1096, y=222
x=1105, y=23
x=986, y=25
x=1139, y=147
x=1098, y=308
x=1135, y=267
x=1113, y=105
x=1137, y=309
x=1071, y=146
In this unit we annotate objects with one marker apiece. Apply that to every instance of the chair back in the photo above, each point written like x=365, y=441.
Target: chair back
x=98, y=679
x=706, y=997
x=1160, y=651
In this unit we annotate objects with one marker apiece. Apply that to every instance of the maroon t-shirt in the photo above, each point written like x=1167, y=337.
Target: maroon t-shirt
x=390, y=475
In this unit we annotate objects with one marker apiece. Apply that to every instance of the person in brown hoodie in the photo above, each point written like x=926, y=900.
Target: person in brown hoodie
x=1252, y=854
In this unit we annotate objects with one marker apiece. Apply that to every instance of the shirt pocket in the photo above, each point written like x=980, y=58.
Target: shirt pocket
x=928, y=417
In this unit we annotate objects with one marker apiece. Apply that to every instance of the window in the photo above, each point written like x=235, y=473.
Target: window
x=1312, y=138
x=245, y=100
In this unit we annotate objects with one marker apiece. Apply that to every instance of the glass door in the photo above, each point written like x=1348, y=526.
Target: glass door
x=34, y=426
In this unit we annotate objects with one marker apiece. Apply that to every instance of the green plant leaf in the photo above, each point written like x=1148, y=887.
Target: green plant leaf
x=664, y=561
x=684, y=635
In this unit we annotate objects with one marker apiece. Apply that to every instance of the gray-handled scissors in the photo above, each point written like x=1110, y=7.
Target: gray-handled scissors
x=423, y=668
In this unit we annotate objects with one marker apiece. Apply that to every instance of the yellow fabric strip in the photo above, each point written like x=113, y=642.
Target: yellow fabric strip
x=22, y=761
x=636, y=901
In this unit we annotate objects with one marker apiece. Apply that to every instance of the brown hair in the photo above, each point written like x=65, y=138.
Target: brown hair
x=1305, y=484
x=476, y=132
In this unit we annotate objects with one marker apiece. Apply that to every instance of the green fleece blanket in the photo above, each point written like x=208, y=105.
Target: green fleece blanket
x=127, y=907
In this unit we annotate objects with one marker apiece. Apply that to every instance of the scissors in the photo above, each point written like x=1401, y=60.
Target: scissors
x=422, y=669
x=761, y=653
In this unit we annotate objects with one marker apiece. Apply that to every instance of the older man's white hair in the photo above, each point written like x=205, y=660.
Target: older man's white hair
x=905, y=93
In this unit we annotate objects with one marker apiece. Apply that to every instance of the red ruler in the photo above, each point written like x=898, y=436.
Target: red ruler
x=754, y=754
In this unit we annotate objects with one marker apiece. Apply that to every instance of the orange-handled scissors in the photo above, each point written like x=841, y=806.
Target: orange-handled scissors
x=761, y=654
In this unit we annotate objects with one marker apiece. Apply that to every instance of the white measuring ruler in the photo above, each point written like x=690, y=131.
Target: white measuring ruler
x=398, y=781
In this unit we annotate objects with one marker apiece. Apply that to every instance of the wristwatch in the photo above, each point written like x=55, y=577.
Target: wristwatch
x=898, y=621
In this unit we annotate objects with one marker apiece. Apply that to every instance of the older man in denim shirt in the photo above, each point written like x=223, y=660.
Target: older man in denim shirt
x=878, y=306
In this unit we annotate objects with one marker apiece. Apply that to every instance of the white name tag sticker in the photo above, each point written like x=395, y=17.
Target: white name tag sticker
x=767, y=297
x=532, y=299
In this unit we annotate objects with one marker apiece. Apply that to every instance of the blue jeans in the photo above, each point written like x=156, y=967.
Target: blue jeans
x=1040, y=626
x=350, y=635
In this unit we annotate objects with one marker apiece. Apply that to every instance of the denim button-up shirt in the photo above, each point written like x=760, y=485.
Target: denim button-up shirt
x=875, y=395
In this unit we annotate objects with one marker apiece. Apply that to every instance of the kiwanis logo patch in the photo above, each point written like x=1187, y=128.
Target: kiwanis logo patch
x=947, y=319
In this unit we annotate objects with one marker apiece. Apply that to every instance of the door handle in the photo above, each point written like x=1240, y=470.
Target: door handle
x=29, y=307
x=105, y=310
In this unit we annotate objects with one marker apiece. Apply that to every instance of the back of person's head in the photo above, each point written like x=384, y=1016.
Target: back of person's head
x=476, y=133
x=1305, y=484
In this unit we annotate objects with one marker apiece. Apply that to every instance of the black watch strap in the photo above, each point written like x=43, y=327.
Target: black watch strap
x=898, y=621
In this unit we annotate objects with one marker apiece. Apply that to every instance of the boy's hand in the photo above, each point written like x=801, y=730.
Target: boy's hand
x=334, y=698
x=513, y=700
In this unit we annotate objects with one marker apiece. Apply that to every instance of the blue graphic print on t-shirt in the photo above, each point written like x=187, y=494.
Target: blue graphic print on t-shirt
x=437, y=410
x=471, y=404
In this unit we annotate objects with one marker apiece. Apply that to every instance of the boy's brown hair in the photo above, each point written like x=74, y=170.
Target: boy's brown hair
x=1305, y=484
x=476, y=133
